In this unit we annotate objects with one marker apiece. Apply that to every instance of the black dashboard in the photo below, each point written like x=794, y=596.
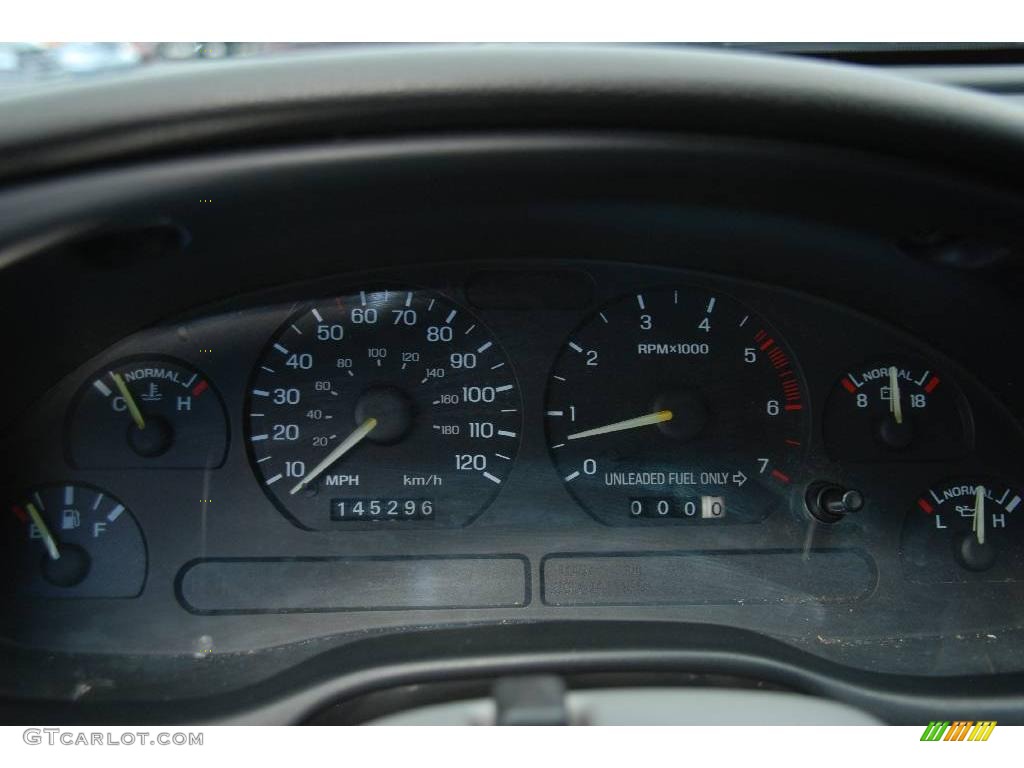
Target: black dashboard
x=285, y=410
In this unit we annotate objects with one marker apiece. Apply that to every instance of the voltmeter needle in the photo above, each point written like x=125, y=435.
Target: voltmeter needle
x=618, y=426
x=895, y=407
x=133, y=408
x=44, y=531
x=340, y=450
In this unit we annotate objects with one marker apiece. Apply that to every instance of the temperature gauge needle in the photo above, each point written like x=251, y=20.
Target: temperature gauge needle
x=895, y=407
x=343, y=447
x=133, y=408
x=979, y=514
x=618, y=426
x=44, y=531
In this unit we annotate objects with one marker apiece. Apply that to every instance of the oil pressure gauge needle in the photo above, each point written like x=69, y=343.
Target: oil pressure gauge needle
x=618, y=426
x=895, y=406
x=44, y=531
x=133, y=408
x=342, y=448
x=979, y=513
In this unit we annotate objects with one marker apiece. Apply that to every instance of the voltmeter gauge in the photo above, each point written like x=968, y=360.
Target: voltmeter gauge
x=895, y=409
x=965, y=530
x=148, y=412
x=74, y=540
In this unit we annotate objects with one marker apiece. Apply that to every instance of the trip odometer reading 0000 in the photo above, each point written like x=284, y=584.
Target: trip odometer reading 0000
x=383, y=406
x=676, y=405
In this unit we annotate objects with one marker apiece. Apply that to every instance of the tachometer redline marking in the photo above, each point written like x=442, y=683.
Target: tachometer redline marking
x=931, y=385
x=780, y=476
x=848, y=385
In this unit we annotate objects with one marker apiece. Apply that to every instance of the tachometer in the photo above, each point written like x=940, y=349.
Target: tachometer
x=676, y=405
x=383, y=406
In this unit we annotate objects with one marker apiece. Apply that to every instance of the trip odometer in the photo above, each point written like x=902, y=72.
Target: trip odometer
x=676, y=405
x=383, y=406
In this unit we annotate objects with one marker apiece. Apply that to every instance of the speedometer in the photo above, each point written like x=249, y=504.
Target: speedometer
x=383, y=406
x=676, y=406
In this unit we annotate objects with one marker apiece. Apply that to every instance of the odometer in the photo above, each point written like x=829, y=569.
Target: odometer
x=383, y=406
x=676, y=406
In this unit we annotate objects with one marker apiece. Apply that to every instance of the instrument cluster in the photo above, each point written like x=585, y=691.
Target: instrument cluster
x=606, y=437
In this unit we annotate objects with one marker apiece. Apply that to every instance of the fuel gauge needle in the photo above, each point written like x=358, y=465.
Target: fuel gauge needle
x=895, y=406
x=44, y=531
x=133, y=408
x=979, y=513
x=342, y=448
x=640, y=421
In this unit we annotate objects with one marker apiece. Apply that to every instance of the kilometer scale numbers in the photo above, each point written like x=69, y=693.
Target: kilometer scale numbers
x=676, y=405
x=390, y=405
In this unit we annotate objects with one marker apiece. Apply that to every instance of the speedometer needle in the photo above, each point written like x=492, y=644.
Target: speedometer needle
x=618, y=426
x=342, y=448
x=895, y=407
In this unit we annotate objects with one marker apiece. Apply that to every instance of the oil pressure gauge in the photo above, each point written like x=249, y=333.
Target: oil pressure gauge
x=895, y=409
x=964, y=530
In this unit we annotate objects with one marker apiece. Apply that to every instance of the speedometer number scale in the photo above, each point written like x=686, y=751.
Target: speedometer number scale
x=676, y=405
x=383, y=406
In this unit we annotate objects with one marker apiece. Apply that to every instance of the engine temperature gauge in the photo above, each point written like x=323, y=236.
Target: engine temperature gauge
x=151, y=412
x=964, y=530
x=895, y=410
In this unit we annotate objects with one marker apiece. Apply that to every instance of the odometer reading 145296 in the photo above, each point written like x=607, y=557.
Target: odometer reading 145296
x=383, y=406
x=676, y=406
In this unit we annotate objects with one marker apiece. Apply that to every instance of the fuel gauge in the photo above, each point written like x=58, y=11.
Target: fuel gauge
x=895, y=410
x=74, y=540
x=964, y=530
x=152, y=412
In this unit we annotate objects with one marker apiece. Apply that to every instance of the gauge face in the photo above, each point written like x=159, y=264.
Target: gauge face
x=147, y=412
x=676, y=405
x=894, y=409
x=964, y=530
x=75, y=541
x=383, y=406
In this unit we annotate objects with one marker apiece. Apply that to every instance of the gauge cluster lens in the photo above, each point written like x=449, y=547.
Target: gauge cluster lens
x=964, y=530
x=75, y=540
x=147, y=413
x=895, y=410
x=389, y=405
x=676, y=405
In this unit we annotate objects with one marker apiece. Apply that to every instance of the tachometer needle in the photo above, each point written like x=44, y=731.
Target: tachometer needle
x=342, y=448
x=895, y=407
x=979, y=513
x=618, y=426
x=133, y=409
x=44, y=531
